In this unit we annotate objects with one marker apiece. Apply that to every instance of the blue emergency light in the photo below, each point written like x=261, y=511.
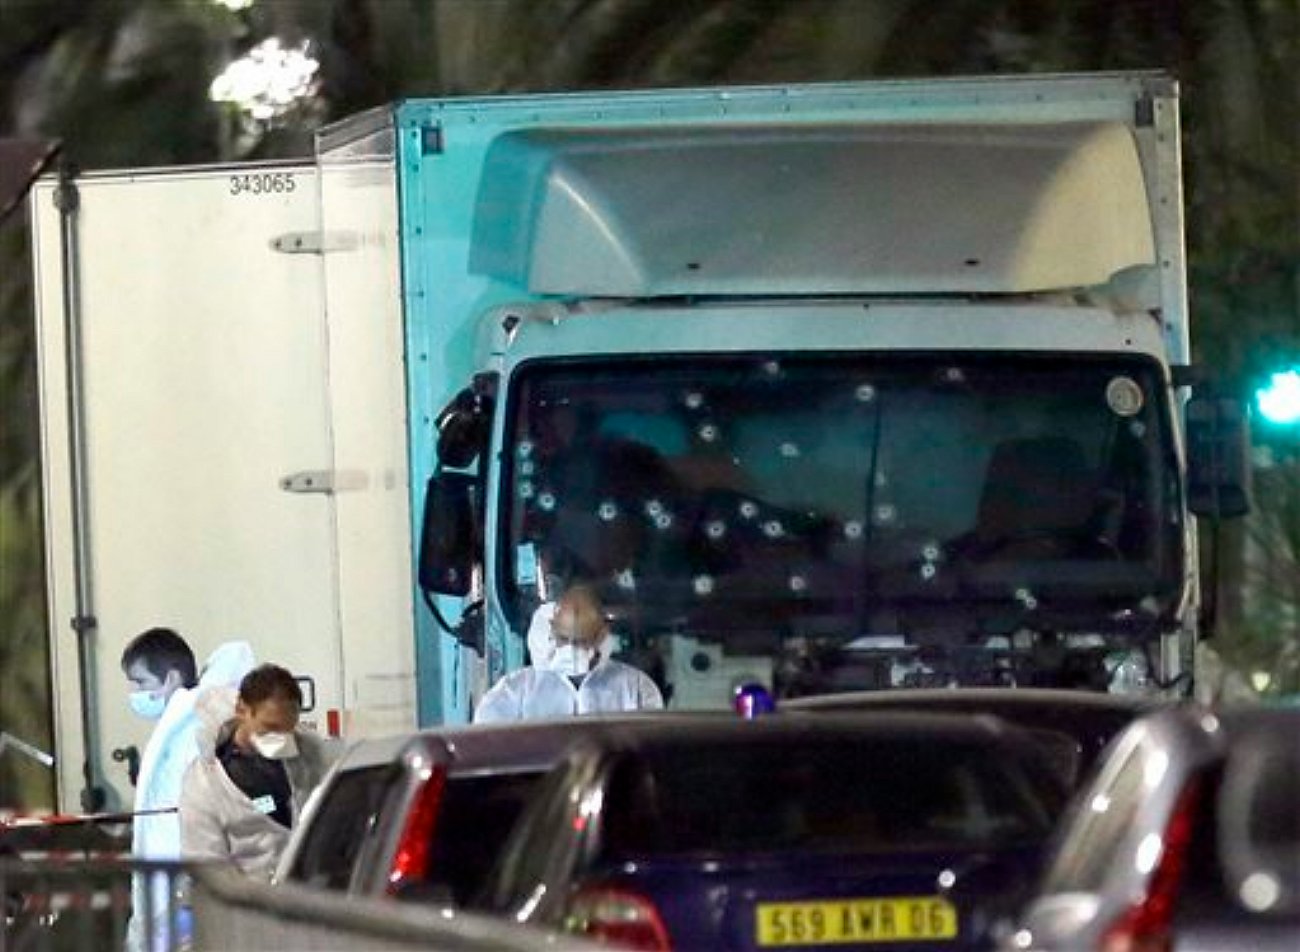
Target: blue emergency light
x=752, y=699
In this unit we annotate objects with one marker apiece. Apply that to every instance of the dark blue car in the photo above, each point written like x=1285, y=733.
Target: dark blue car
x=903, y=831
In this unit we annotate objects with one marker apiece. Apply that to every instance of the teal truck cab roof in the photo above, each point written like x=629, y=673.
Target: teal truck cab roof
x=830, y=208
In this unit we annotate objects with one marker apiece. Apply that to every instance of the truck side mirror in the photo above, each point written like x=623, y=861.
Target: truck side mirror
x=1218, y=457
x=464, y=423
x=449, y=538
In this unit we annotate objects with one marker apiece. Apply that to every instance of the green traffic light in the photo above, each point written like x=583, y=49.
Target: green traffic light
x=1279, y=402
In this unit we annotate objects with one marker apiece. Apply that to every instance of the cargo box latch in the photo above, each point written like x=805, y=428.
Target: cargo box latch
x=309, y=481
x=313, y=242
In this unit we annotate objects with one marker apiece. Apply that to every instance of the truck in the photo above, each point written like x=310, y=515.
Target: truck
x=848, y=385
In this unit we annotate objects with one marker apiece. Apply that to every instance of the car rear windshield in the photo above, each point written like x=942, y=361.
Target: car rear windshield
x=1245, y=853
x=345, y=816
x=858, y=795
x=478, y=812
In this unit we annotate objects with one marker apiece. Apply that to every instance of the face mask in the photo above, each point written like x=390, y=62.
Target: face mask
x=148, y=705
x=275, y=746
x=571, y=660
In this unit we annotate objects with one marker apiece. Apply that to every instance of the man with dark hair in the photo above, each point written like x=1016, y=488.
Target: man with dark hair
x=157, y=663
x=160, y=667
x=253, y=776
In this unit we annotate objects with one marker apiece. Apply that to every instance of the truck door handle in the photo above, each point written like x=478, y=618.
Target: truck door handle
x=131, y=754
x=310, y=481
x=325, y=481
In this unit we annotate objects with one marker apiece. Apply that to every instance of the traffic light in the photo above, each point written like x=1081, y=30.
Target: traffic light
x=1279, y=402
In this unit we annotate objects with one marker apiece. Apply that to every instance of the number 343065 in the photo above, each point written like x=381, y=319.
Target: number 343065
x=262, y=183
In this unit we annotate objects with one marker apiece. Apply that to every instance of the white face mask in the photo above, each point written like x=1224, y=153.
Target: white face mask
x=147, y=704
x=275, y=746
x=571, y=660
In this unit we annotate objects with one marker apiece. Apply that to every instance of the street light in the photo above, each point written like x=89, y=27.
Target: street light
x=269, y=81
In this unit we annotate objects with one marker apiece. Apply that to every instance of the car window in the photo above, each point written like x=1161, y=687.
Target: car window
x=1091, y=728
x=524, y=860
x=848, y=794
x=1061, y=753
x=1101, y=820
x=478, y=813
x=1273, y=809
x=1203, y=884
x=342, y=821
x=1259, y=823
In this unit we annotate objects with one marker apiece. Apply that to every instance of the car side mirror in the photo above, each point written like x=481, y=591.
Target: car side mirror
x=1218, y=457
x=449, y=537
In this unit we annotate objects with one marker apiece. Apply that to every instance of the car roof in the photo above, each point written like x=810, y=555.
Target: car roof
x=1194, y=734
x=1008, y=699
x=538, y=745
x=1277, y=723
x=1226, y=723
x=919, y=726
x=522, y=745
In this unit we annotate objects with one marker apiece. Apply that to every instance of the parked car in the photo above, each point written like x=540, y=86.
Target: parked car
x=422, y=816
x=913, y=830
x=1187, y=840
x=1074, y=727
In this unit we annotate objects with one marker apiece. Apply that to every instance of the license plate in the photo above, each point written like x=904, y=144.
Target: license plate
x=899, y=919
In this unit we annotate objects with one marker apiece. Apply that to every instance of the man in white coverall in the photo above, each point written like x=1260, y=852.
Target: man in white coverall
x=541, y=645
x=160, y=667
x=254, y=773
x=576, y=677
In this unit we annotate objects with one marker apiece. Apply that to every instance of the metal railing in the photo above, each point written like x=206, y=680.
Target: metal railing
x=232, y=911
x=64, y=903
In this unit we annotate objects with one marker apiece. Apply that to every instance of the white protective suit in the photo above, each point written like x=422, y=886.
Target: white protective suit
x=219, y=821
x=534, y=693
x=171, y=749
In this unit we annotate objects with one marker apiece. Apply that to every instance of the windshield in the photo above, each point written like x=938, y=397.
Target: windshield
x=823, y=795
x=842, y=495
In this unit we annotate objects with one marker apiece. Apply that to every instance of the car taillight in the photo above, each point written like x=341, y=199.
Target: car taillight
x=411, y=860
x=1144, y=926
x=620, y=917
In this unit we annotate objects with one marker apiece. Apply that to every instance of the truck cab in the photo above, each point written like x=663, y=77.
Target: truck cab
x=884, y=393
x=764, y=512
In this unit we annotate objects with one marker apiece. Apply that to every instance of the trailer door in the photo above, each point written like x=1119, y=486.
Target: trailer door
x=205, y=471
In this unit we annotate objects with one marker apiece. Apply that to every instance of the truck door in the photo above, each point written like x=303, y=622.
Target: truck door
x=202, y=375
